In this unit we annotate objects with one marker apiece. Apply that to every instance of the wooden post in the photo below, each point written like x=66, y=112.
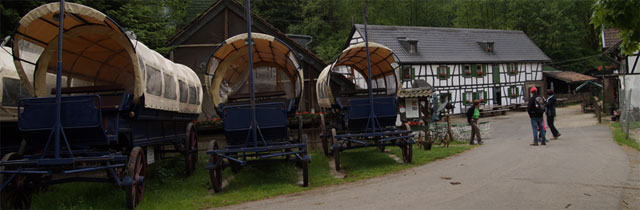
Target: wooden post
x=226, y=23
x=449, y=135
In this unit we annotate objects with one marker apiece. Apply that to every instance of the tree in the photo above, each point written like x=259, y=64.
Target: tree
x=622, y=15
x=152, y=21
x=12, y=11
x=280, y=14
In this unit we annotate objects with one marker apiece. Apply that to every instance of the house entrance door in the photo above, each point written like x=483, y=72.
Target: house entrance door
x=497, y=96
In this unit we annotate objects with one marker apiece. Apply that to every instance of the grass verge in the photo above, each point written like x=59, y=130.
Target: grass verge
x=168, y=188
x=620, y=137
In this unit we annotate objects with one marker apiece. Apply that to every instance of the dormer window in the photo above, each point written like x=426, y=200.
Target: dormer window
x=410, y=45
x=486, y=46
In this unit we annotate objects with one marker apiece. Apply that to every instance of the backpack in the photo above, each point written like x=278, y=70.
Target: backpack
x=540, y=104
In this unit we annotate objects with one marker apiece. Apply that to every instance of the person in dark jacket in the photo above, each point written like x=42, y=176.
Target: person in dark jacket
x=536, y=109
x=551, y=113
x=473, y=114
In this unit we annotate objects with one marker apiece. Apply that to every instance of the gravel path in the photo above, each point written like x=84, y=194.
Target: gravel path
x=585, y=169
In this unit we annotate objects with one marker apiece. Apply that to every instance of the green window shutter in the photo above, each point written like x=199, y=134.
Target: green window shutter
x=518, y=91
x=464, y=98
x=473, y=69
x=485, y=97
x=448, y=71
x=516, y=66
x=475, y=95
x=484, y=69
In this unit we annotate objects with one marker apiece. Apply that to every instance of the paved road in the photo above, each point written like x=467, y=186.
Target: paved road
x=585, y=169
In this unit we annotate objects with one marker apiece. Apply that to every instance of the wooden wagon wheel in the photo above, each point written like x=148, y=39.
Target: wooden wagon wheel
x=215, y=174
x=407, y=148
x=191, y=149
x=336, y=151
x=407, y=152
x=323, y=136
x=16, y=195
x=305, y=173
x=136, y=170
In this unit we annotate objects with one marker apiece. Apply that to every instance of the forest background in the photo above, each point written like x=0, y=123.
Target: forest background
x=561, y=28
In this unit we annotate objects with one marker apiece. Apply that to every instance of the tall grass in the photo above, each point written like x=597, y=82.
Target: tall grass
x=168, y=188
x=621, y=138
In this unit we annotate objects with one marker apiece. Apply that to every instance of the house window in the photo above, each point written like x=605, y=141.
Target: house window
x=480, y=70
x=412, y=47
x=513, y=92
x=408, y=73
x=443, y=72
x=490, y=47
x=482, y=96
x=513, y=69
x=467, y=98
x=466, y=70
x=444, y=97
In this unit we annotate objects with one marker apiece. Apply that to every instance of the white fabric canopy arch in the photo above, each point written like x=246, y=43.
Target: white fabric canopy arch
x=97, y=52
x=11, y=88
x=273, y=61
x=352, y=63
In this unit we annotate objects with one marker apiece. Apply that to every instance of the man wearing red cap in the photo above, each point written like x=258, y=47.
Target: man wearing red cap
x=536, y=110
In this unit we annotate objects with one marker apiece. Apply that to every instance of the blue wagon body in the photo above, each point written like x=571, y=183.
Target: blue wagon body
x=116, y=102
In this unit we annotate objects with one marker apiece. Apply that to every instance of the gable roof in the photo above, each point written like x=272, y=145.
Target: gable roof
x=569, y=76
x=258, y=22
x=455, y=45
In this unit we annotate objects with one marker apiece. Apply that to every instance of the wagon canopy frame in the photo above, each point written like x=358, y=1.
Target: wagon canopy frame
x=228, y=66
x=354, y=59
x=98, y=52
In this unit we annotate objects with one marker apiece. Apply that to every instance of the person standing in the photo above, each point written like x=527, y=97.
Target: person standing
x=551, y=113
x=536, y=108
x=473, y=114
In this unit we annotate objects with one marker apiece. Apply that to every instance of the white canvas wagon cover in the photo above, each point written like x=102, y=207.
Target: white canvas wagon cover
x=352, y=63
x=276, y=68
x=98, y=53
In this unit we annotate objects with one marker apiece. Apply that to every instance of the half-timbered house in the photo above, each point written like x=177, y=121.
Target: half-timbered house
x=497, y=67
